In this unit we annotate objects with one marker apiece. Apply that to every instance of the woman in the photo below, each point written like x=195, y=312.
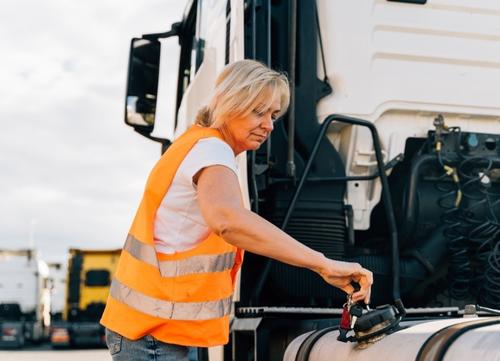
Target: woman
x=174, y=282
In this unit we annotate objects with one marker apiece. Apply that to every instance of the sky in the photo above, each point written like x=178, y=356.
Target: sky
x=72, y=173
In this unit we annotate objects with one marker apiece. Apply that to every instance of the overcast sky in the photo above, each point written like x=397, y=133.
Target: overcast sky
x=72, y=173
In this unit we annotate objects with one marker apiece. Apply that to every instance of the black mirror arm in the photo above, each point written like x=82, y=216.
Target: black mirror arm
x=146, y=132
x=174, y=30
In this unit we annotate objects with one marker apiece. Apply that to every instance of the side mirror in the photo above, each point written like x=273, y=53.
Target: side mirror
x=142, y=85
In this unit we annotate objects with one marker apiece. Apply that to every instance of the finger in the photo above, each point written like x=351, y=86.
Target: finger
x=366, y=282
x=364, y=292
x=369, y=276
x=349, y=289
x=363, y=275
x=368, y=295
x=360, y=295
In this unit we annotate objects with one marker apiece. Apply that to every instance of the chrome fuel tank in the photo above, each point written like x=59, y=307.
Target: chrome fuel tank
x=447, y=339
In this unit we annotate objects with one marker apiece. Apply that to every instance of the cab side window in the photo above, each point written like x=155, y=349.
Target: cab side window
x=209, y=12
x=202, y=27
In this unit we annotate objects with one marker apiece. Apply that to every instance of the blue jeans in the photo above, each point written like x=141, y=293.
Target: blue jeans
x=147, y=349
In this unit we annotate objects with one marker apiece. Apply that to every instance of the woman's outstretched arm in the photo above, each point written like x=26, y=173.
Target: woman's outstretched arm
x=221, y=205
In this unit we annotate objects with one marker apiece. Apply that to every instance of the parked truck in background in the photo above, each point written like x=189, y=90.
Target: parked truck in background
x=388, y=156
x=24, y=298
x=88, y=279
x=57, y=290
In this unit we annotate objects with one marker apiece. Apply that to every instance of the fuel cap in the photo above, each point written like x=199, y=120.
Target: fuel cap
x=380, y=316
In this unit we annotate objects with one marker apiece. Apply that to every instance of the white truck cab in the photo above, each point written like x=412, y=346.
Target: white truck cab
x=24, y=298
x=388, y=156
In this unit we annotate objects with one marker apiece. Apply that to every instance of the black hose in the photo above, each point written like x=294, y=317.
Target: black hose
x=460, y=269
x=411, y=194
x=472, y=231
x=490, y=291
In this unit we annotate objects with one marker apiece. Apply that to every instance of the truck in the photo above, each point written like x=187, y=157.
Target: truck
x=88, y=278
x=58, y=289
x=24, y=298
x=388, y=156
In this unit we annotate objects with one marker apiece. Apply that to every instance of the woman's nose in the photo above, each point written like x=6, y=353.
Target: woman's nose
x=267, y=123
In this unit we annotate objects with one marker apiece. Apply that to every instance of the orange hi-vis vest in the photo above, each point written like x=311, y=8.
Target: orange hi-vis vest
x=183, y=298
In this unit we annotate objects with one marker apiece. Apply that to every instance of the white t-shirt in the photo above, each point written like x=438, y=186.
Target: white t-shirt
x=178, y=224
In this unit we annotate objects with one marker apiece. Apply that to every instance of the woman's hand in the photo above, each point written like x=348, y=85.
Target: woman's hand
x=341, y=274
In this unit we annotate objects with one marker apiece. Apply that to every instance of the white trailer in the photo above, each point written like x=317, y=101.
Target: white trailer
x=24, y=298
x=57, y=290
x=389, y=155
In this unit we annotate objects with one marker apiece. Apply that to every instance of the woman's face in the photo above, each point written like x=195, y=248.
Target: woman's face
x=249, y=132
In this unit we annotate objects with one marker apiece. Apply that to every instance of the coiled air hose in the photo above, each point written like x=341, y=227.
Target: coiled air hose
x=472, y=230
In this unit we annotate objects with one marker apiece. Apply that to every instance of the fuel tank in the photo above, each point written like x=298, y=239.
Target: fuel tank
x=454, y=339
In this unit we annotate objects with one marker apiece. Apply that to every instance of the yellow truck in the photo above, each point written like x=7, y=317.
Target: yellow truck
x=87, y=285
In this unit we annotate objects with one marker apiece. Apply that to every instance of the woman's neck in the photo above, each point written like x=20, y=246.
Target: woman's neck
x=227, y=137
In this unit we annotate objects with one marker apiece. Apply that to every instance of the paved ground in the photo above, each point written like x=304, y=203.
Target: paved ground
x=45, y=353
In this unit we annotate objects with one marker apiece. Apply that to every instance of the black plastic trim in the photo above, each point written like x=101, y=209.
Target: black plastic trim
x=421, y=2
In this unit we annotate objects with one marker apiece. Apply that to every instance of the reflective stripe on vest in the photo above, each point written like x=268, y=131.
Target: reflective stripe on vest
x=169, y=310
x=196, y=264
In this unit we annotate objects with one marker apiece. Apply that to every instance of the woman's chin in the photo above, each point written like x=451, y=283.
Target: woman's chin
x=257, y=145
x=254, y=145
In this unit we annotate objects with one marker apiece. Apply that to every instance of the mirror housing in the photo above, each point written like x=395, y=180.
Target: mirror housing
x=142, y=82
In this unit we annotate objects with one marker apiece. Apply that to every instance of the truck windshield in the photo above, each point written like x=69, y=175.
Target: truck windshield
x=97, y=278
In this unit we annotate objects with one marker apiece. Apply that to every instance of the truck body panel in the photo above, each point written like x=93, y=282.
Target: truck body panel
x=400, y=65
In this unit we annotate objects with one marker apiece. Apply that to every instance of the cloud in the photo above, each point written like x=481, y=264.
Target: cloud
x=72, y=172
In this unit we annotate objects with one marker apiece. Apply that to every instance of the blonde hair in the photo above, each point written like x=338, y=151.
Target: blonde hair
x=241, y=87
